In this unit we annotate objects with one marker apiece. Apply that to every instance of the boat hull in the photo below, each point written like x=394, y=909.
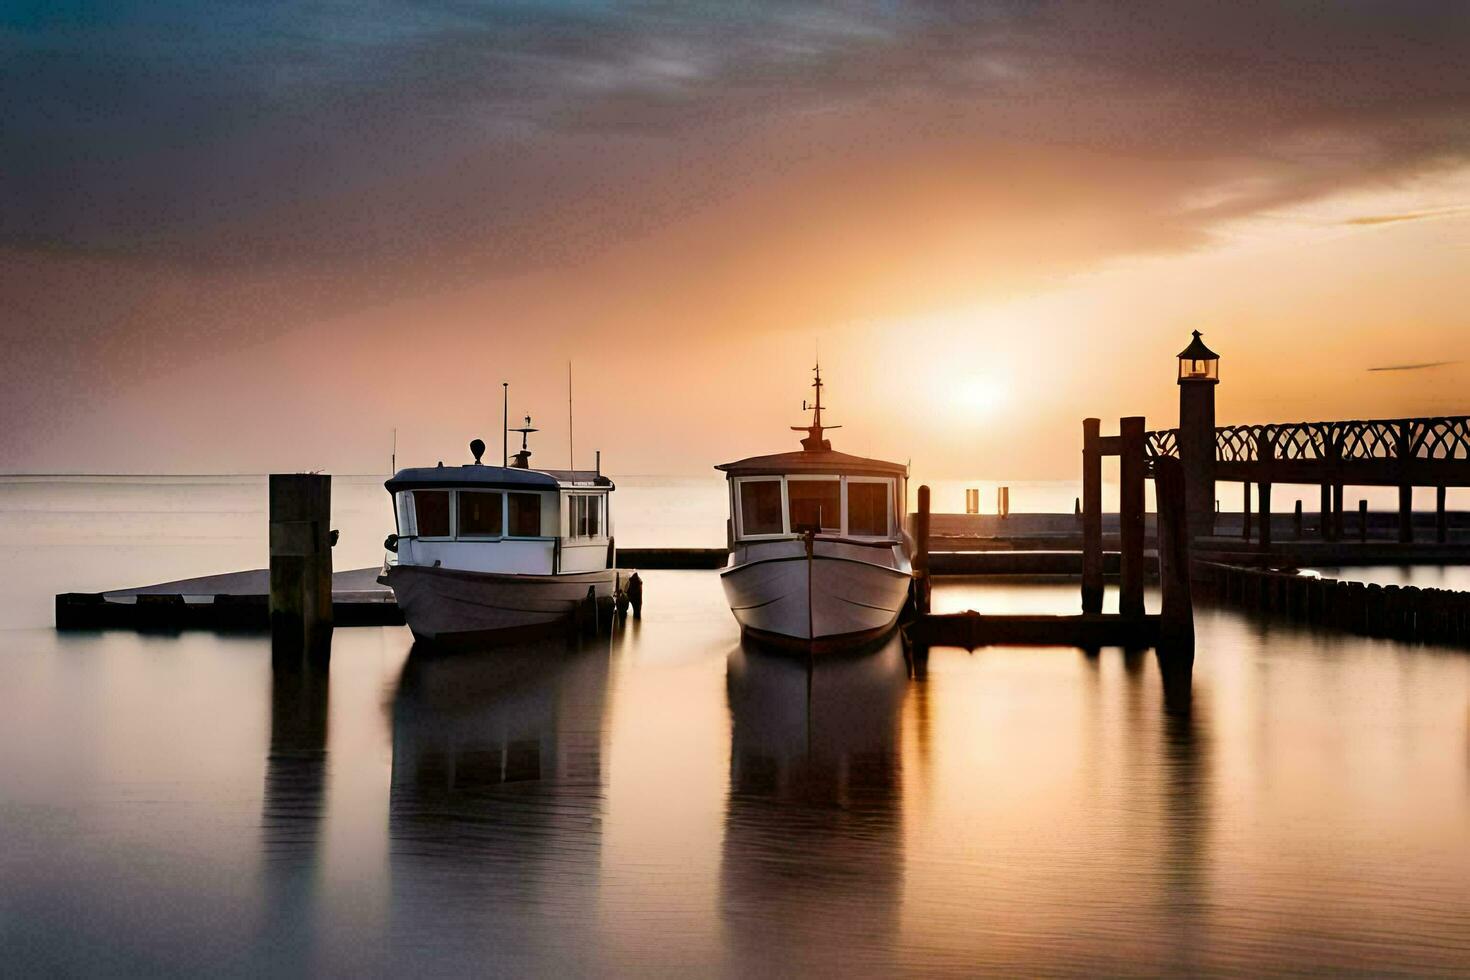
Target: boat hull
x=824, y=602
x=453, y=607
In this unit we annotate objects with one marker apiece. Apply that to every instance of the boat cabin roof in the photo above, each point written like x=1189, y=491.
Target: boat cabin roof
x=480, y=477
x=817, y=462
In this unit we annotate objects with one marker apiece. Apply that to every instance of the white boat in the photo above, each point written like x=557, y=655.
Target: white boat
x=487, y=552
x=818, y=555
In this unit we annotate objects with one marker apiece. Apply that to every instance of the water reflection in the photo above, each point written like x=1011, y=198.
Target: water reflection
x=495, y=807
x=812, y=862
x=1184, y=859
x=293, y=802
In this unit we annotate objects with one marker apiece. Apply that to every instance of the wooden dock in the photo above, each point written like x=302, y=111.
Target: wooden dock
x=1171, y=633
x=971, y=630
x=234, y=601
x=241, y=600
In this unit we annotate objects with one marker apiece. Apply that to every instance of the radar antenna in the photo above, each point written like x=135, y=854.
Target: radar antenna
x=523, y=458
x=814, y=441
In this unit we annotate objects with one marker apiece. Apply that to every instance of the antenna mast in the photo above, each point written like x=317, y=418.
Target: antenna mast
x=505, y=423
x=814, y=440
x=571, y=459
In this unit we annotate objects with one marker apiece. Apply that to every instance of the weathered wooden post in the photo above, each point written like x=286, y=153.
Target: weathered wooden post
x=1131, y=504
x=1325, y=518
x=1199, y=374
x=1092, y=558
x=1362, y=521
x=1404, y=444
x=1330, y=450
x=921, y=554
x=1297, y=517
x=300, y=562
x=1176, y=622
x=1441, y=517
x=1265, y=454
x=1245, y=511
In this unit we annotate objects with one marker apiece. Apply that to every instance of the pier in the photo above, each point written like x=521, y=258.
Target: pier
x=1170, y=631
x=241, y=600
x=1187, y=540
x=1250, y=558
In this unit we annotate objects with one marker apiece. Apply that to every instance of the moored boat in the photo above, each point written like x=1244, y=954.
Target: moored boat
x=489, y=552
x=818, y=555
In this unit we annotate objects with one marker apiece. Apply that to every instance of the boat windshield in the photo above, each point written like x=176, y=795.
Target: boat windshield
x=815, y=504
x=431, y=513
x=760, y=507
x=525, y=514
x=867, y=509
x=479, y=513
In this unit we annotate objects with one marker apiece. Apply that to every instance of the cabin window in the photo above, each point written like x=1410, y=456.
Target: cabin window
x=867, y=508
x=584, y=513
x=815, y=504
x=480, y=513
x=431, y=513
x=524, y=514
x=760, y=507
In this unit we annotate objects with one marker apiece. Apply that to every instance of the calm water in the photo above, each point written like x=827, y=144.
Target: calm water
x=667, y=802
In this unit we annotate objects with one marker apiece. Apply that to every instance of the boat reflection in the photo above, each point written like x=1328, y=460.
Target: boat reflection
x=814, y=817
x=495, y=805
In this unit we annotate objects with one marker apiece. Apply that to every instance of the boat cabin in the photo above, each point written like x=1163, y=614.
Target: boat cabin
x=829, y=493
x=816, y=490
x=503, y=519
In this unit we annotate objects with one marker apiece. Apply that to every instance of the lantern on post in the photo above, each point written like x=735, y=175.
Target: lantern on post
x=1199, y=373
x=1198, y=363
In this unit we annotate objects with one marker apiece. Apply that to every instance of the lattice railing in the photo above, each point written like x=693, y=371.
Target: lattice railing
x=1429, y=438
x=1164, y=442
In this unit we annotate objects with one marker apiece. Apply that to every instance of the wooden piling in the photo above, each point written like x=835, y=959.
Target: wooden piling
x=1245, y=511
x=1176, y=622
x=1325, y=518
x=1297, y=519
x=1406, y=514
x=300, y=562
x=1131, y=505
x=1337, y=512
x=1092, y=558
x=921, y=586
x=1362, y=521
x=1265, y=453
x=1441, y=516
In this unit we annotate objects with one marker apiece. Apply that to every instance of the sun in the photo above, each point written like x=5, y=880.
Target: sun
x=977, y=395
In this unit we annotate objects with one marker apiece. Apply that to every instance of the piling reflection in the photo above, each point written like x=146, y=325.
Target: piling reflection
x=814, y=815
x=495, y=805
x=1184, y=858
x=1176, y=673
x=294, y=800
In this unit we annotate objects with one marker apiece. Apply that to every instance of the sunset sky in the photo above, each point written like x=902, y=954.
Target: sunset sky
x=241, y=237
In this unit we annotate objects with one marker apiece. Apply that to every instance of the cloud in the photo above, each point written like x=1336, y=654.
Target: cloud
x=191, y=179
x=1388, y=219
x=247, y=134
x=1413, y=367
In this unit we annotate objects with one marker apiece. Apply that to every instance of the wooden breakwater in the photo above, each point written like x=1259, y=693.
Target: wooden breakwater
x=1406, y=613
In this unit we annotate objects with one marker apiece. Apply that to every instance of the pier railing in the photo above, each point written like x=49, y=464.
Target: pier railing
x=1446, y=438
x=1368, y=452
